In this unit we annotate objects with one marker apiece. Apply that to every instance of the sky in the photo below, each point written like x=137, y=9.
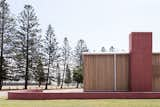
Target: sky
x=99, y=22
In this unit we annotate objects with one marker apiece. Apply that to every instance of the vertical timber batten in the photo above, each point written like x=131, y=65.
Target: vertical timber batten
x=115, y=73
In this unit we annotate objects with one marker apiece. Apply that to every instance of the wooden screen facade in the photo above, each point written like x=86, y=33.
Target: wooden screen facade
x=106, y=72
x=99, y=72
x=156, y=71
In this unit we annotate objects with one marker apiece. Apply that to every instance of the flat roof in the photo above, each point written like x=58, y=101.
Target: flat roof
x=103, y=53
x=110, y=53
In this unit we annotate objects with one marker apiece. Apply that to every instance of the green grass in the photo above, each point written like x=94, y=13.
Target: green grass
x=81, y=103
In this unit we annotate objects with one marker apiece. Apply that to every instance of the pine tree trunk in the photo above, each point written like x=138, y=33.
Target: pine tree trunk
x=46, y=85
x=49, y=62
x=1, y=57
x=27, y=50
x=39, y=84
x=68, y=84
x=1, y=84
x=1, y=63
x=26, y=79
x=77, y=85
x=63, y=75
x=26, y=74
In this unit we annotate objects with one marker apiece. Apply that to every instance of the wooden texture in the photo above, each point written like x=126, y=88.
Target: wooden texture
x=156, y=72
x=99, y=72
x=122, y=62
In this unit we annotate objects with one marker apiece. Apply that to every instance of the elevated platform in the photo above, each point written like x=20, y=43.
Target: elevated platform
x=82, y=95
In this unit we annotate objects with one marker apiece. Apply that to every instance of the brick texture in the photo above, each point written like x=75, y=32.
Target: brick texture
x=140, y=61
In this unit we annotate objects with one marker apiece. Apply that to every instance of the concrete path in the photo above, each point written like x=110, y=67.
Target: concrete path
x=63, y=90
x=4, y=94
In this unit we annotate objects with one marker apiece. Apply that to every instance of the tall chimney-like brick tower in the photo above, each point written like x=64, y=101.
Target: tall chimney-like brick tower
x=140, y=44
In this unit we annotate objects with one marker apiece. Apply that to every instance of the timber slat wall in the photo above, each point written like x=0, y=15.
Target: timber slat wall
x=99, y=72
x=98, y=75
x=122, y=62
x=156, y=72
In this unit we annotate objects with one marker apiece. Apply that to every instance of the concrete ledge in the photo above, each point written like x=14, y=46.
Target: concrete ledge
x=82, y=95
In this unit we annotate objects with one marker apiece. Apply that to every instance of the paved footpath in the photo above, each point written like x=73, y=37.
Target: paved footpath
x=4, y=94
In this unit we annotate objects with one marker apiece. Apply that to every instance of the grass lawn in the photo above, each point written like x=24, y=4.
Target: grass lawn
x=81, y=103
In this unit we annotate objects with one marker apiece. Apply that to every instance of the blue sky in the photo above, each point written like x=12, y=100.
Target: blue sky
x=98, y=22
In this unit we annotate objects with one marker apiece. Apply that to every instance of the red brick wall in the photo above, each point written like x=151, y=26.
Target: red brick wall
x=82, y=95
x=140, y=61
